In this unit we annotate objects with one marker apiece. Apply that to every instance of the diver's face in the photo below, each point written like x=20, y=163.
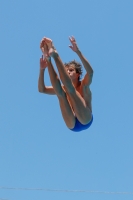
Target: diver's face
x=72, y=72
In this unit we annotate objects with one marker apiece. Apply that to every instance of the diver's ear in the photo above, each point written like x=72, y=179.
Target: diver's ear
x=78, y=75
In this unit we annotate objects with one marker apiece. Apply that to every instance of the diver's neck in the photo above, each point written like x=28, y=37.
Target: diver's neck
x=76, y=83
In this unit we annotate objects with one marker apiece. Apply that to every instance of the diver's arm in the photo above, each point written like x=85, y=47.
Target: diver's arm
x=89, y=71
x=41, y=85
x=85, y=62
x=88, y=77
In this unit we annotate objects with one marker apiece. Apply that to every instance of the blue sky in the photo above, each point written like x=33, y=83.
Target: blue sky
x=37, y=150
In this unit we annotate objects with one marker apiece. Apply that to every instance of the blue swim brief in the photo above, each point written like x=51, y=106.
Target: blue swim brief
x=80, y=127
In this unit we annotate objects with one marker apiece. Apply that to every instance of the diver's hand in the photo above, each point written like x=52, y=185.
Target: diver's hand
x=73, y=45
x=43, y=63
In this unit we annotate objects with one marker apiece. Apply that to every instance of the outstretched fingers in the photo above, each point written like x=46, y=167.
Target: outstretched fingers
x=73, y=45
x=72, y=39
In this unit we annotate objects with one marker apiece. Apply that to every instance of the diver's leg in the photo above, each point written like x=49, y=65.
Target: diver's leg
x=82, y=111
x=61, y=68
x=66, y=109
x=64, y=76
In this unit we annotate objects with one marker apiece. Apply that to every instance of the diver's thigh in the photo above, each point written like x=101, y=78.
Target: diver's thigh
x=67, y=112
x=81, y=110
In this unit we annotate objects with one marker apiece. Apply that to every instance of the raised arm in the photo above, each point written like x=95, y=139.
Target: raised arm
x=88, y=77
x=41, y=85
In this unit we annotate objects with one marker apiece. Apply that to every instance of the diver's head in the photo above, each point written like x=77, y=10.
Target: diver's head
x=74, y=69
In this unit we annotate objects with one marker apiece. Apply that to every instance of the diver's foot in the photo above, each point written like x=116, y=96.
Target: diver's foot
x=51, y=49
x=48, y=41
x=46, y=52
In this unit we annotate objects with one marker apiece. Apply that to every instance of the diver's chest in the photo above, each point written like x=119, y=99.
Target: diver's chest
x=80, y=91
